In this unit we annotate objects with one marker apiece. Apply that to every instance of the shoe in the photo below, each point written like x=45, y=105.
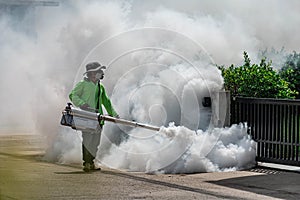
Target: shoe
x=93, y=167
x=87, y=167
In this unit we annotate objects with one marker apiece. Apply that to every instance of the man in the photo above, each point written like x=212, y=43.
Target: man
x=89, y=94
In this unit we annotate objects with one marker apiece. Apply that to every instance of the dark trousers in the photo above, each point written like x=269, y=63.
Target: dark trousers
x=90, y=143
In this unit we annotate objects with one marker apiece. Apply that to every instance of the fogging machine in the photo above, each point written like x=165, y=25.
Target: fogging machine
x=88, y=121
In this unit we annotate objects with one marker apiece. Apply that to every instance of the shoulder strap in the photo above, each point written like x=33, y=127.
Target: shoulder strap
x=99, y=98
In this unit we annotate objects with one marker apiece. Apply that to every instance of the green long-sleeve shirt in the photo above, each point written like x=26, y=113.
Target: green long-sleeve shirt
x=88, y=92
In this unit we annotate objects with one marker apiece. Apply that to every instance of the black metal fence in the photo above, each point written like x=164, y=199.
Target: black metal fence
x=274, y=124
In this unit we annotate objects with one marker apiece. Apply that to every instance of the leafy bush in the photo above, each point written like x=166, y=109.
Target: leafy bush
x=291, y=72
x=252, y=80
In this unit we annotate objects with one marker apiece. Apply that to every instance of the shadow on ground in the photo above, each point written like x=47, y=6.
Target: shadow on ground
x=272, y=183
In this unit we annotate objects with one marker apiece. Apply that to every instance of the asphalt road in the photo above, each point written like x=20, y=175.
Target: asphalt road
x=24, y=176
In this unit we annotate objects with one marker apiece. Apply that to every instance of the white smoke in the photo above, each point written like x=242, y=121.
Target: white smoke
x=181, y=150
x=40, y=63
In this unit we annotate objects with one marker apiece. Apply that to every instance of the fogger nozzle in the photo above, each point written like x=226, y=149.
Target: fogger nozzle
x=127, y=122
x=85, y=120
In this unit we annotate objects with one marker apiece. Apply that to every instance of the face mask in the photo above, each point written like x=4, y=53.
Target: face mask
x=99, y=76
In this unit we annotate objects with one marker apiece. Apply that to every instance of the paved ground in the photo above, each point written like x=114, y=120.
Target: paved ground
x=24, y=176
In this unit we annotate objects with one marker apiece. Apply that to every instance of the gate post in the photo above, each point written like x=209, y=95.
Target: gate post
x=221, y=109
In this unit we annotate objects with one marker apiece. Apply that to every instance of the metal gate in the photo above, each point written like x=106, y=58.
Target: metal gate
x=274, y=124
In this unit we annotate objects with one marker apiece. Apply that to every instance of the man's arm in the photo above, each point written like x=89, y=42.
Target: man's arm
x=76, y=94
x=107, y=103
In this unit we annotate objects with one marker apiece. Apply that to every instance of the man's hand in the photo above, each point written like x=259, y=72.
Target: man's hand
x=84, y=106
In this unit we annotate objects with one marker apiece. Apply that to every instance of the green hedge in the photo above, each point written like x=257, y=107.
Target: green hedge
x=256, y=80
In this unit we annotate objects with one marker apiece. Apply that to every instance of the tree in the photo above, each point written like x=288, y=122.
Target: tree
x=291, y=71
x=252, y=80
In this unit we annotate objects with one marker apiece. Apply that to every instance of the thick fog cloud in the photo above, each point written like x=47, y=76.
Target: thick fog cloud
x=44, y=49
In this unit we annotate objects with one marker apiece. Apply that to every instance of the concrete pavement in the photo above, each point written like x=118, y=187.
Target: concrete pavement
x=25, y=176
